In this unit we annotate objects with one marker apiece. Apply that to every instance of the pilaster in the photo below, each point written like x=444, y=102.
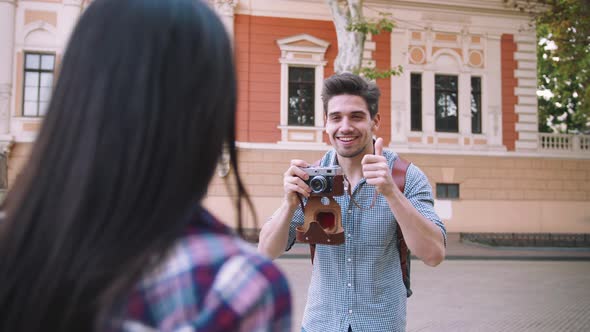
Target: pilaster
x=226, y=10
x=7, y=17
x=68, y=17
x=526, y=96
x=400, y=98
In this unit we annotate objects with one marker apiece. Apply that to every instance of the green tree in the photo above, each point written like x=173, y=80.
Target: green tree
x=563, y=66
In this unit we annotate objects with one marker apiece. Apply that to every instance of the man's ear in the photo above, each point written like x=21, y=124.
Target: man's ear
x=376, y=122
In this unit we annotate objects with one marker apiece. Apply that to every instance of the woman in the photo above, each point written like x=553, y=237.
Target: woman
x=104, y=228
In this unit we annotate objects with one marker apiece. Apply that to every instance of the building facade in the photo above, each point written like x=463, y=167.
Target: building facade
x=464, y=109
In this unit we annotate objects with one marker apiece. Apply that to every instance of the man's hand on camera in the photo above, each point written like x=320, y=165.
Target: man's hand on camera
x=376, y=171
x=293, y=182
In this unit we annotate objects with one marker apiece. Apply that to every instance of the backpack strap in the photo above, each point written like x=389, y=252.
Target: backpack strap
x=400, y=168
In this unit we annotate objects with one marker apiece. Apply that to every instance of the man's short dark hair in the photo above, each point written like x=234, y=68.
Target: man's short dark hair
x=351, y=84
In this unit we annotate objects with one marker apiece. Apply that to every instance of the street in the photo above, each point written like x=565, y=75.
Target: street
x=484, y=295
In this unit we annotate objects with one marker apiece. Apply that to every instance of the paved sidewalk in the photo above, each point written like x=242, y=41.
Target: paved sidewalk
x=481, y=295
x=471, y=251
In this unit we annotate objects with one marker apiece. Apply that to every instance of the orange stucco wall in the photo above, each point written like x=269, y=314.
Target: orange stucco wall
x=382, y=57
x=259, y=71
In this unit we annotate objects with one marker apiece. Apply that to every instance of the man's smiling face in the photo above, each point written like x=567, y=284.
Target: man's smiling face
x=349, y=125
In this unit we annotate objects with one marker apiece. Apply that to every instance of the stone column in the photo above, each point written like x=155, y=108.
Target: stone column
x=428, y=105
x=7, y=17
x=464, y=116
x=226, y=10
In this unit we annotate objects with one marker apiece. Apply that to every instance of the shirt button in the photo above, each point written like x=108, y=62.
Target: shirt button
x=349, y=235
x=350, y=311
x=349, y=285
x=350, y=260
x=349, y=211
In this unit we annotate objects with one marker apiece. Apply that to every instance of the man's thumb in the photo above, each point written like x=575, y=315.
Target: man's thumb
x=379, y=147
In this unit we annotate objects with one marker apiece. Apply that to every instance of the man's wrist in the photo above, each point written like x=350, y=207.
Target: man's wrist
x=289, y=205
x=394, y=193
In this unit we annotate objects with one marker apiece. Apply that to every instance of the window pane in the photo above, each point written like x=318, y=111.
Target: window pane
x=416, y=102
x=44, y=94
x=447, y=190
x=446, y=103
x=31, y=94
x=441, y=190
x=31, y=79
x=30, y=108
x=43, y=108
x=301, y=96
x=32, y=61
x=47, y=79
x=453, y=190
x=47, y=62
x=476, y=105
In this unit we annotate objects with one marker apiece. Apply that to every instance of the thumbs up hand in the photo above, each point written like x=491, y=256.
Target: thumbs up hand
x=376, y=171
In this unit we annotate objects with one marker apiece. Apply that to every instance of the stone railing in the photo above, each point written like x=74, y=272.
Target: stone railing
x=564, y=143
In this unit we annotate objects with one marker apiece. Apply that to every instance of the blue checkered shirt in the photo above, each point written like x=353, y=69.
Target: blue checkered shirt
x=359, y=284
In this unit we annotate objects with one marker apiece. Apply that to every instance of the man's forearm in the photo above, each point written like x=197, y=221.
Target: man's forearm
x=422, y=236
x=275, y=232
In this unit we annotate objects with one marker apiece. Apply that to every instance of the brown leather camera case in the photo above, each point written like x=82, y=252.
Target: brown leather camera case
x=312, y=230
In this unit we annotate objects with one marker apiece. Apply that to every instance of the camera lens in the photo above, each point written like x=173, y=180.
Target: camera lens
x=318, y=184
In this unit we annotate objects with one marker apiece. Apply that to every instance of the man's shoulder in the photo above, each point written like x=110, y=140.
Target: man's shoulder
x=390, y=155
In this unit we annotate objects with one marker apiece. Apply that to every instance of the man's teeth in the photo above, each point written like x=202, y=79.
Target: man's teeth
x=346, y=139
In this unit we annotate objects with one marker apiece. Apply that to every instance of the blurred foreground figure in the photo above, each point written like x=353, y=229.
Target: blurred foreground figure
x=104, y=228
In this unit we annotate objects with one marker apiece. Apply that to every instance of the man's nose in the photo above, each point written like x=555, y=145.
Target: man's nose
x=345, y=124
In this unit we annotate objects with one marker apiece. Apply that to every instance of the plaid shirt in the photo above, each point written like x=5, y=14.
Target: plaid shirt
x=212, y=281
x=359, y=284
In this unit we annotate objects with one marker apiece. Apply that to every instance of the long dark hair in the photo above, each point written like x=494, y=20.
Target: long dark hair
x=144, y=103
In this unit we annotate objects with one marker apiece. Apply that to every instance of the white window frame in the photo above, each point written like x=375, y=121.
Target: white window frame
x=302, y=51
x=464, y=74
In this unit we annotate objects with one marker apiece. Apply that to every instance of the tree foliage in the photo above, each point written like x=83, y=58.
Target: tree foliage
x=563, y=66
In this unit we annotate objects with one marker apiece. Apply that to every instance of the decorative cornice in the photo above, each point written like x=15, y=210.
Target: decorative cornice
x=75, y=3
x=5, y=89
x=313, y=44
x=526, y=6
x=6, y=144
x=225, y=7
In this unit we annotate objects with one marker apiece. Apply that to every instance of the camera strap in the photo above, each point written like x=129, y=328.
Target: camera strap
x=349, y=191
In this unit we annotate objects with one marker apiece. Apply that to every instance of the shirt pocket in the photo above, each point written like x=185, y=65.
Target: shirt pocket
x=376, y=231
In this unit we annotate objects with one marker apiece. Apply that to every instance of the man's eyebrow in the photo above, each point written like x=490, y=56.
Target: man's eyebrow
x=352, y=112
x=357, y=112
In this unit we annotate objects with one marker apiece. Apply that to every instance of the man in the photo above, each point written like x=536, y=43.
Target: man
x=358, y=286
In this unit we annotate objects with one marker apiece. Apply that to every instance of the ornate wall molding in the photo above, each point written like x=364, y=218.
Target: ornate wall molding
x=5, y=93
x=225, y=7
x=75, y=3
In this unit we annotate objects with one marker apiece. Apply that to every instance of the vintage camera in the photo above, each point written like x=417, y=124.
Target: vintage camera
x=325, y=181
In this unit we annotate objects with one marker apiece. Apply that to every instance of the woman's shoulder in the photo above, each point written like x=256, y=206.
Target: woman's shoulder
x=208, y=271
x=210, y=252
